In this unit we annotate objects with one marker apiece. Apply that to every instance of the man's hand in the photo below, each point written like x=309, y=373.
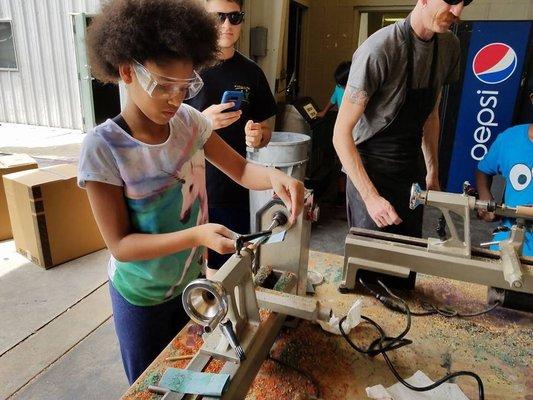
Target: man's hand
x=219, y=118
x=432, y=182
x=382, y=212
x=254, y=134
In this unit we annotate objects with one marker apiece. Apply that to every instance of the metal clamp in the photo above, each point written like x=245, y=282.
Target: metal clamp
x=278, y=219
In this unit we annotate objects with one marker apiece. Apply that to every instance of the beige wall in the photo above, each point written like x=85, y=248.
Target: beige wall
x=499, y=10
x=273, y=15
x=332, y=34
x=334, y=29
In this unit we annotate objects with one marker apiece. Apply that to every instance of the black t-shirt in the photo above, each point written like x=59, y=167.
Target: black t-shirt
x=237, y=74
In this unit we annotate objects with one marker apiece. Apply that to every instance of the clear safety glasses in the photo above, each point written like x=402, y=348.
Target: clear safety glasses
x=161, y=87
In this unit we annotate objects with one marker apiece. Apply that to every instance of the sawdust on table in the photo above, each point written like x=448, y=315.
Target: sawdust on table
x=497, y=346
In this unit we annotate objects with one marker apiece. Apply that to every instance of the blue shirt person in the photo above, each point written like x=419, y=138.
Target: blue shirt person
x=341, y=79
x=336, y=97
x=511, y=156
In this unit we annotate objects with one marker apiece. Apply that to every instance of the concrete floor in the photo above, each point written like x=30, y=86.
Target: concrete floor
x=91, y=371
x=57, y=339
x=57, y=336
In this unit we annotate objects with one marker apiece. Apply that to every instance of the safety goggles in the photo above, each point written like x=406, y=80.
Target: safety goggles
x=454, y=2
x=164, y=87
x=235, y=17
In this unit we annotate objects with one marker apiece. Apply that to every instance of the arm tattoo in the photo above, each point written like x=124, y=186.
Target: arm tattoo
x=357, y=96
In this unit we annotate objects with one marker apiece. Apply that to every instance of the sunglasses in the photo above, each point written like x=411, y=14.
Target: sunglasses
x=235, y=17
x=167, y=88
x=455, y=2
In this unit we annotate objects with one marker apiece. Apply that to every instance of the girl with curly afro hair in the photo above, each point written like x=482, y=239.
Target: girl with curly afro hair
x=144, y=170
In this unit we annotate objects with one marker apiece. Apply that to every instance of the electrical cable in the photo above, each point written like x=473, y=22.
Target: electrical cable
x=385, y=343
x=430, y=309
x=449, y=312
x=390, y=304
x=307, y=375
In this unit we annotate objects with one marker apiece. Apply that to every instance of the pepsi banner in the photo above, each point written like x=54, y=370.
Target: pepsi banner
x=494, y=66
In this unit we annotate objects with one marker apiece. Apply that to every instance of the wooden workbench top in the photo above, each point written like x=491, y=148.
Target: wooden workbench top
x=497, y=346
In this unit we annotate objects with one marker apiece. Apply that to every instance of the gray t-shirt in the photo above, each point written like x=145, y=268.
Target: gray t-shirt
x=379, y=67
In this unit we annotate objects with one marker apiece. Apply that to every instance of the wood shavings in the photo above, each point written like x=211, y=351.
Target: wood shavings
x=497, y=345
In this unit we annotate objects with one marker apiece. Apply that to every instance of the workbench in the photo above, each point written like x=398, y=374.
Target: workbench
x=497, y=346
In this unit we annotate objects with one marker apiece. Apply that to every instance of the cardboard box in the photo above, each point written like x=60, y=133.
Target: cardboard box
x=51, y=217
x=9, y=164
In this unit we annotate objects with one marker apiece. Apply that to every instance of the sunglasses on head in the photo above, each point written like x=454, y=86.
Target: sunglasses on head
x=235, y=17
x=455, y=2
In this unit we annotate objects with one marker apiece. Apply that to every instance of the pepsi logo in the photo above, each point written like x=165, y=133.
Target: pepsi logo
x=495, y=63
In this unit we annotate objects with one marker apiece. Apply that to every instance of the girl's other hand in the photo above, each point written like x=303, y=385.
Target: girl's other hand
x=290, y=191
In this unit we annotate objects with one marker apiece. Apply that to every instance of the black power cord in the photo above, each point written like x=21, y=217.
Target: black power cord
x=430, y=309
x=385, y=343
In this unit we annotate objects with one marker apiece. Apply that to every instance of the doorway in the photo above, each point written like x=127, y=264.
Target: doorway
x=372, y=21
x=297, y=13
x=98, y=101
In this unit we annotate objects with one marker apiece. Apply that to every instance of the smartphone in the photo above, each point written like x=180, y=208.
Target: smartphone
x=234, y=96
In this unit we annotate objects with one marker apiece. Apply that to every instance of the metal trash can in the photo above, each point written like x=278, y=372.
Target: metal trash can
x=323, y=165
x=288, y=152
x=292, y=120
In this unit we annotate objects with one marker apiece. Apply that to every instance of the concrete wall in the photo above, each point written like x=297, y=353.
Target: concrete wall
x=335, y=29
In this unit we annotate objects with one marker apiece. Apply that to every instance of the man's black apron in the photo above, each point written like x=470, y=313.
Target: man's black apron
x=393, y=157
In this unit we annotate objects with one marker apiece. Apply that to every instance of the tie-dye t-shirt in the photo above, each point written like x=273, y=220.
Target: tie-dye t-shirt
x=164, y=190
